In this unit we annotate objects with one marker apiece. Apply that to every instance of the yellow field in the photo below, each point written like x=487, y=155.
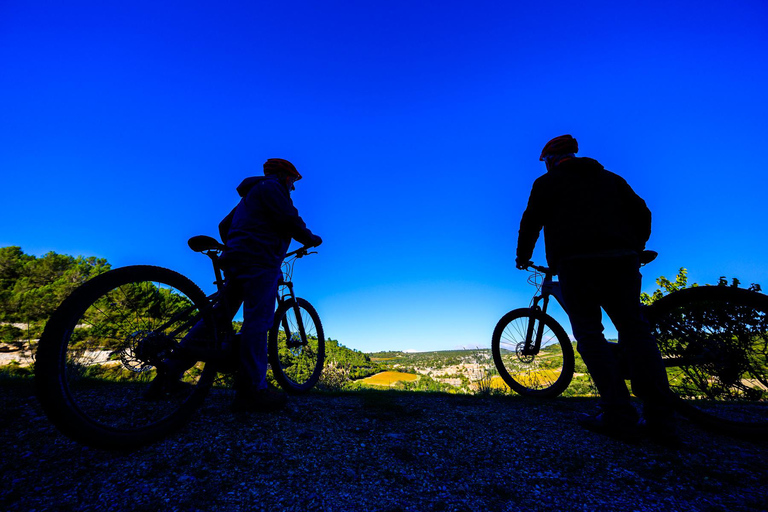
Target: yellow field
x=540, y=377
x=388, y=379
x=498, y=383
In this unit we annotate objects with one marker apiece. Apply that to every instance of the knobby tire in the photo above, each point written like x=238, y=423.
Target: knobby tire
x=714, y=340
x=296, y=364
x=89, y=374
x=544, y=375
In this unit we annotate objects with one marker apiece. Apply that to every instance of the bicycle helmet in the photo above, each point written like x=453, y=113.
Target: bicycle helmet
x=562, y=145
x=280, y=166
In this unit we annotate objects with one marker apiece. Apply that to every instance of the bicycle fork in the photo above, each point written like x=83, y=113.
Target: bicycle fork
x=535, y=330
x=291, y=340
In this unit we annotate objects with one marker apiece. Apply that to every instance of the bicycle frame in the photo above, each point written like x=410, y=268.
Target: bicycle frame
x=219, y=300
x=285, y=281
x=549, y=287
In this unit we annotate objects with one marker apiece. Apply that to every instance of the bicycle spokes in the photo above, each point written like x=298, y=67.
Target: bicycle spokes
x=297, y=346
x=714, y=343
x=116, y=348
x=108, y=348
x=531, y=354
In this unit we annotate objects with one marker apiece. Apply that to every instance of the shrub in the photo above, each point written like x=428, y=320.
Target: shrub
x=335, y=376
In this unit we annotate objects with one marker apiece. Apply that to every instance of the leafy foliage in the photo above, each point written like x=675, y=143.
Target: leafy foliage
x=335, y=377
x=10, y=333
x=424, y=383
x=667, y=286
x=343, y=366
x=31, y=288
x=681, y=282
x=358, y=364
x=723, y=281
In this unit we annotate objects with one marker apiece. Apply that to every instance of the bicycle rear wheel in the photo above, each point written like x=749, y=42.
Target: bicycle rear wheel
x=714, y=342
x=296, y=346
x=102, y=347
x=545, y=374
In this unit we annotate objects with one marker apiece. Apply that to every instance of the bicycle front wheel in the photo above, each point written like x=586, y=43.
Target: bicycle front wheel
x=296, y=346
x=102, y=347
x=714, y=342
x=544, y=373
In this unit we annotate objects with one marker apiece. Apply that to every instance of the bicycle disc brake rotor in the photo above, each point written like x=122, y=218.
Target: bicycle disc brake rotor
x=521, y=355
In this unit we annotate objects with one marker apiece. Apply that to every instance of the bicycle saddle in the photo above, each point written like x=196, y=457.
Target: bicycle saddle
x=648, y=256
x=202, y=243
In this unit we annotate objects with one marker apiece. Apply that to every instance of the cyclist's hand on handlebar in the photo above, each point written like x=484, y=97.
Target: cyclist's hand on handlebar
x=522, y=264
x=316, y=240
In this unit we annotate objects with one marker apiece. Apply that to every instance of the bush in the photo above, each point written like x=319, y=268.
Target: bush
x=335, y=376
x=10, y=333
x=15, y=370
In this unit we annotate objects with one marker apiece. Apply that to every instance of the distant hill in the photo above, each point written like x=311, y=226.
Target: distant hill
x=437, y=358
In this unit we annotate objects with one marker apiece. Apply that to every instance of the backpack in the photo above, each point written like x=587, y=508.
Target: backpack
x=225, y=224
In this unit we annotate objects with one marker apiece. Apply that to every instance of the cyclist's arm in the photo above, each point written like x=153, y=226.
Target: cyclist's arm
x=285, y=215
x=531, y=224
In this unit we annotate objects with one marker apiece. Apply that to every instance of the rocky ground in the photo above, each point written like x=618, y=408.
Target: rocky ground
x=377, y=451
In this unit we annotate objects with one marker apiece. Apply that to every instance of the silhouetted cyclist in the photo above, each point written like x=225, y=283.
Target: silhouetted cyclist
x=257, y=233
x=595, y=227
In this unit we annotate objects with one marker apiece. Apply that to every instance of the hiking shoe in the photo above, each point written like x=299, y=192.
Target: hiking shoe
x=261, y=400
x=623, y=427
x=163, y=388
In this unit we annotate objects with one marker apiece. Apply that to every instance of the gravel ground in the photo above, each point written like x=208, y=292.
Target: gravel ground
x=377, y=451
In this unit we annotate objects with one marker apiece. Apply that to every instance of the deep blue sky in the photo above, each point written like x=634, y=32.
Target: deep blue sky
x=125, y=128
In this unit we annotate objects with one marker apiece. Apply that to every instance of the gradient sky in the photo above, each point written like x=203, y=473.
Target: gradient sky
x=125, y=128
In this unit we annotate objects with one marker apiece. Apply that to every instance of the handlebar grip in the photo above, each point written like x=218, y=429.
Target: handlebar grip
x=301, y=251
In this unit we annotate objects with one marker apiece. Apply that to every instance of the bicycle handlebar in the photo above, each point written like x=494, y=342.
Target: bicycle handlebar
x=543, y=270
x=302, y=251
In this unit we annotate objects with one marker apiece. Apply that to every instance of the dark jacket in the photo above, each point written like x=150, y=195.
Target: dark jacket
x=585, y=210
x=264, y=222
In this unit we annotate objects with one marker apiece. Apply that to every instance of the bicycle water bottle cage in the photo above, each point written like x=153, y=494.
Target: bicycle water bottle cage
x=203, y=243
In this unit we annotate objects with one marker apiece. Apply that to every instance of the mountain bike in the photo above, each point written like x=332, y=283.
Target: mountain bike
x=713, y=341
x=109, y=339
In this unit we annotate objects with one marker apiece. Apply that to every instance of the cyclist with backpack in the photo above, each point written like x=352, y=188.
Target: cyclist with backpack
x=257, y=233
x=595, y=227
